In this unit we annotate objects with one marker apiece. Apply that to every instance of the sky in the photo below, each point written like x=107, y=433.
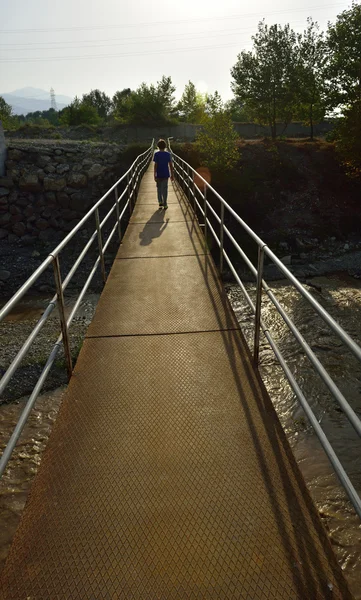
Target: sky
x=78, y=45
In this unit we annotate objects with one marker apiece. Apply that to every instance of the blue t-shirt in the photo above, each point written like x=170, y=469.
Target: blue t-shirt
x=162, y=160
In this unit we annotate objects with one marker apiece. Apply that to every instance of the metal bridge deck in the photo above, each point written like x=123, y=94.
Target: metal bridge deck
x=167, y=474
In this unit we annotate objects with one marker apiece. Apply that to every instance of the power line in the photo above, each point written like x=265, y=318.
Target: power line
x=143, y=39
x=128, y=54
x=150, y=23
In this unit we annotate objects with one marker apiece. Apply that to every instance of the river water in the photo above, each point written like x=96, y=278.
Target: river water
x=341, y=296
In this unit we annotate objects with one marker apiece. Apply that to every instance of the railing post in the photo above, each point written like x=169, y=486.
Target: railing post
x=205, y=220
x=129, y=192
x=61, y=308
x=257, y=327
x=100, y=244
x=188, y=184
x=118, y=213
x=221, y=239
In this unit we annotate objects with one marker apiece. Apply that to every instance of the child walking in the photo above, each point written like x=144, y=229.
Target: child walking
x=162, y=164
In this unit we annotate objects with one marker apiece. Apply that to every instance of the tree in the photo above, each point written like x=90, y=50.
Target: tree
x=100, y=101
x=265, y=79
x=147, y=105
x=79, y=113
x=166, y=89
x=5, y=113
x=192, y=104
x=214, y=103
x=217, y=143
x=312, y=57
x=121, y=105
x=237, y=111
x=344, y=80
x=344, y=64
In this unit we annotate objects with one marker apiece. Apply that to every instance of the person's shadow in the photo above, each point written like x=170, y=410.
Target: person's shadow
x=153, y=228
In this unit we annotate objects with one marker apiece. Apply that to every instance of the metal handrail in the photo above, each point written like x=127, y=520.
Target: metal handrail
x=132, y=178
x=185, y=173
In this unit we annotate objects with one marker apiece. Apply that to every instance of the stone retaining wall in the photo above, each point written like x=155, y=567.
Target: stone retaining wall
x=49, y=186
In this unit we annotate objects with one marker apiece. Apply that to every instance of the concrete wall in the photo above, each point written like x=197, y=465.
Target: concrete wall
x=2, y=151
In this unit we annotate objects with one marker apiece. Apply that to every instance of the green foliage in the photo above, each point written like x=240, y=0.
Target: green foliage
x=100, y=101
x=6, y=114
x=147, y=105
x=265, y=79
x=237, y=111
x=192, y=105
x=79, y=113
x=344, y=79
x=217, y=143
x=348, y=140
x=311, y=105
x=344, y=65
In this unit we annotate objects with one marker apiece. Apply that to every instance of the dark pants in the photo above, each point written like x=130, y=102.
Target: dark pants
x=162, y=188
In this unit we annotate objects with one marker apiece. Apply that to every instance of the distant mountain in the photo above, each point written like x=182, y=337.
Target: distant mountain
x=30, y=99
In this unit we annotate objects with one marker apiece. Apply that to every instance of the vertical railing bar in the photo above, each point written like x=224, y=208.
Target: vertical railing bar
x=221, y=238
x=100, y=245
x=61, y=308
x=118, y=213
x=129, y=192
x=205, y=220
x=259, y=289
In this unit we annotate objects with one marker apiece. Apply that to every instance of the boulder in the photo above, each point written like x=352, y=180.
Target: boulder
x=3, y=234
x=51, y=197
x=61, y=169
x=50, y=169
x=41, y=224
x=30, y=183
x=43, y=161
x=47, y=235
x=28, y=211
x=47, y=213
x=54, y=185
x=4, y=192
x=6, y=182
x=5, y=219
x=286, y=260
x=3, y=201
x=63, y=199
x=95, y=171
x=81, y=202
x=14, y=210
x=77, y=180
x=15, y=154
x=4, y=275
x=19, y=229
x=69, y=215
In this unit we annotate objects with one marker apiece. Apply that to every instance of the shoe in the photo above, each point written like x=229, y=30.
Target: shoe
x=165, y=206
x=160, y=206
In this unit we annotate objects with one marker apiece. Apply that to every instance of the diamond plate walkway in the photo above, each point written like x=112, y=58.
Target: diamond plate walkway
x=168, y=475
